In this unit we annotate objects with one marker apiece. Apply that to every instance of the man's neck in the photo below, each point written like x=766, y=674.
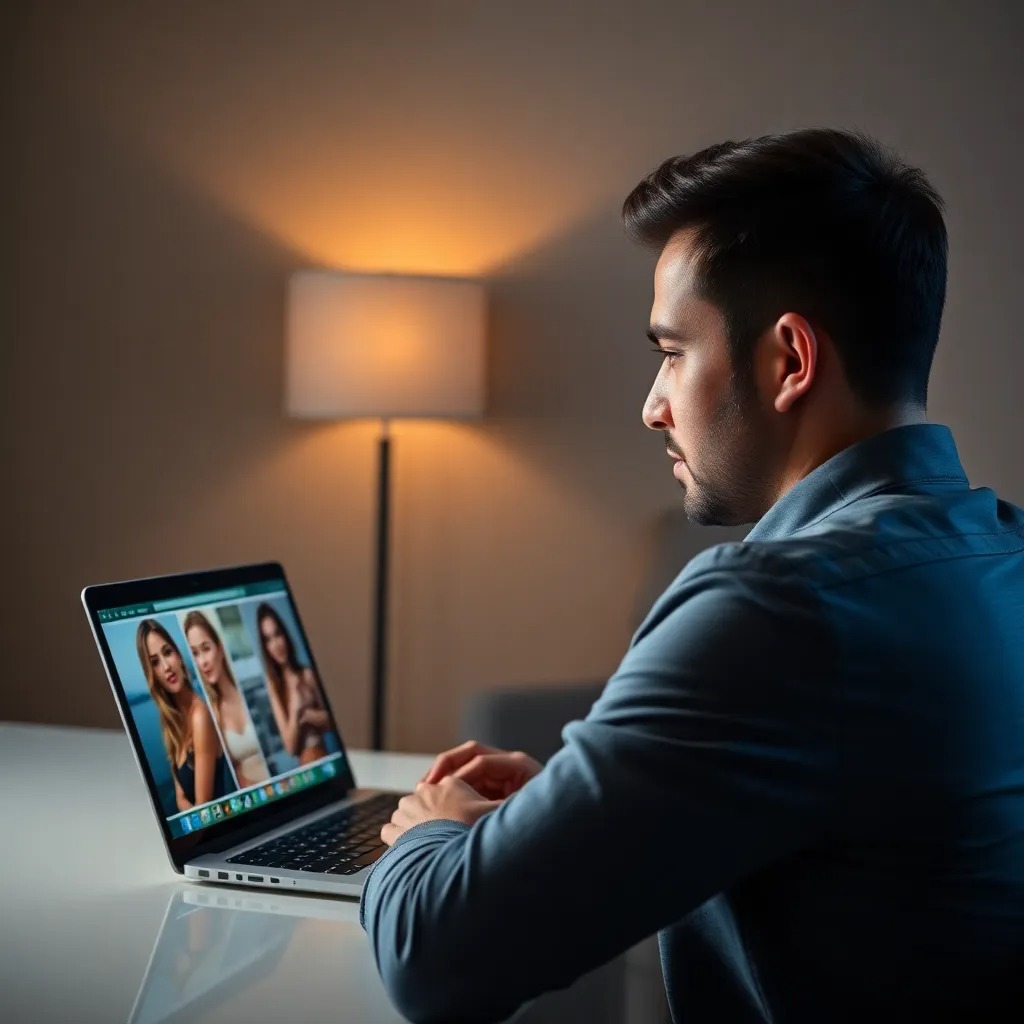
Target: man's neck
x=818, y=445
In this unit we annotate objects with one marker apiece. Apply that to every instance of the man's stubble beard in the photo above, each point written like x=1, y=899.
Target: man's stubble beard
x=736, y=464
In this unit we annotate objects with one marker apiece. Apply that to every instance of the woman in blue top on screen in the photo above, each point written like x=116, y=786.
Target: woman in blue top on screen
x=299, y=709
x=229, y=707
x=198, y=766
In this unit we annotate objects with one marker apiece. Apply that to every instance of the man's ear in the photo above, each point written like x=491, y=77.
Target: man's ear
x=793, y=360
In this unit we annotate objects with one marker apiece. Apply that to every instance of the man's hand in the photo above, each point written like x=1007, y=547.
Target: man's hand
x=494, y=774
x=449, y=800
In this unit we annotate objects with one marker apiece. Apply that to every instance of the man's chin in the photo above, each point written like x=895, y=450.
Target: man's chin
x=702, y=513
x=701, y=518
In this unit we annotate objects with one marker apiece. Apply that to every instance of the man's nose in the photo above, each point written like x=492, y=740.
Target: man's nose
x=656, y=411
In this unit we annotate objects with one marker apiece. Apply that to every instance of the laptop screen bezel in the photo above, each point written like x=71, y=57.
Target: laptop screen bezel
x=224, y=834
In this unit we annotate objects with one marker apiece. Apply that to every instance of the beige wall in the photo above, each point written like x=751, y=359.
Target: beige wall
x=171, y=164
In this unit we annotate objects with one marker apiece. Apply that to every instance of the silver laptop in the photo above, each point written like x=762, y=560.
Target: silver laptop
x=233, y=732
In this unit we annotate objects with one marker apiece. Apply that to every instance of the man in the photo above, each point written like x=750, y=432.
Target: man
x=808, y=770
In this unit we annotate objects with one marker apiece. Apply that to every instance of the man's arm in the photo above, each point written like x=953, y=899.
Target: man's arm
x=709, y=755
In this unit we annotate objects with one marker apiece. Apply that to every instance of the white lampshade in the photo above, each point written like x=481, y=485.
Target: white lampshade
x=381, y=345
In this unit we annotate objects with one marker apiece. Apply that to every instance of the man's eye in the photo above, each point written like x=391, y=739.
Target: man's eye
x=665, y=354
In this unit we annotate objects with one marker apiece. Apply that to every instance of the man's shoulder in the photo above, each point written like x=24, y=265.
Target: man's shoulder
x=736, y=580
x=776, y=562
x=882, y=533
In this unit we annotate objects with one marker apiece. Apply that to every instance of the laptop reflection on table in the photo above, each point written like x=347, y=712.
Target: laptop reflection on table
x=228, y=956
x=225, y=955
x=214, y=945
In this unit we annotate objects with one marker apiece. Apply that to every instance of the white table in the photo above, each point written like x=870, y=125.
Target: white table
x=96, y=925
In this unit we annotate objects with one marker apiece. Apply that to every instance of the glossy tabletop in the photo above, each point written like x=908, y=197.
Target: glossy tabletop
x=97, y=926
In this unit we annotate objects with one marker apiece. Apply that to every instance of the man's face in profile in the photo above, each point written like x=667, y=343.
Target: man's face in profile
x=716, y=430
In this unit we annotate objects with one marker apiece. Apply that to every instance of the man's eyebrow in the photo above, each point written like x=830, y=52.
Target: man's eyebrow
x=660, y=332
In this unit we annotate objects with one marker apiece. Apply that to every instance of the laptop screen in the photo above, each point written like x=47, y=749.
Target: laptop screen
x=224, y=695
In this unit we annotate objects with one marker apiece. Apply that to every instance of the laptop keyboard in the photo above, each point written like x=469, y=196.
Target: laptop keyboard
x=340, y=844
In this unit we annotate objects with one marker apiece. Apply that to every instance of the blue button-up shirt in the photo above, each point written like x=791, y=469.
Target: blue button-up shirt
x=807, y=775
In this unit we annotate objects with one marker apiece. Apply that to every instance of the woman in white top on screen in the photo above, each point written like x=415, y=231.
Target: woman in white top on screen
x=299, y=709
x=229, y=706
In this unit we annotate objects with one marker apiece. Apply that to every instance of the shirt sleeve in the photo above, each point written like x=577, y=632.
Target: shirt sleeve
x=710, y=754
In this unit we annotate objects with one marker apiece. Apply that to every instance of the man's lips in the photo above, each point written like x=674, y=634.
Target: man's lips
x=678, y=463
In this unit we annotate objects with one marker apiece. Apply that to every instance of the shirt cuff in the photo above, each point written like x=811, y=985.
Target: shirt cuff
x=443, y=827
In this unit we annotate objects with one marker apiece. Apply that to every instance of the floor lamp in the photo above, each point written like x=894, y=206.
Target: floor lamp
x=383, y=346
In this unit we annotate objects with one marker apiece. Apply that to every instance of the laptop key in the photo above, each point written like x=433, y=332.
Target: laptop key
x=368, y=858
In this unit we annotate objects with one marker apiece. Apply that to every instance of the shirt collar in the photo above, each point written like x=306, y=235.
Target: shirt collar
x=915, y=453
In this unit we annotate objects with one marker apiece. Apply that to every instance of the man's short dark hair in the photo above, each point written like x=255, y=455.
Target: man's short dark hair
x=822, y=222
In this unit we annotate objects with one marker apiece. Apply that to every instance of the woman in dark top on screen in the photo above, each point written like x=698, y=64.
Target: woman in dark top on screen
x=198, y=765
x=298, y=707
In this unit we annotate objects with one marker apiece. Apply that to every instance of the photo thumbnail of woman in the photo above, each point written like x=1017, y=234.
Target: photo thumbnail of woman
x=229, y=707
x=298, y=705
x=199, y=769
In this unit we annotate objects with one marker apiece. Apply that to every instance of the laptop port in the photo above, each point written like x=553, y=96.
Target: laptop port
x=223, y=876
x=276, y=881
x=255, y=878
x=203, y=873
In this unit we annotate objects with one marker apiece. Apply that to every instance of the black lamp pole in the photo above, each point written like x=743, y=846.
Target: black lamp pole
x=380, y=619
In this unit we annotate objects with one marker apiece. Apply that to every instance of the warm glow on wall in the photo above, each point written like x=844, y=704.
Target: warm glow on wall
x=344, y=156
x=470, y=234
x=374, y=223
